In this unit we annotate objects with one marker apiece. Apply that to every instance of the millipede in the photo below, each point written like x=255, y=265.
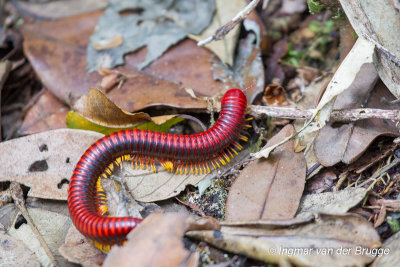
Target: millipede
x=196, y=153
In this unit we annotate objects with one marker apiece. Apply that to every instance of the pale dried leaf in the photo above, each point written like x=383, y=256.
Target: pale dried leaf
x=366, y=18
x=56, y=152
x=14, y=253
x=338, y=202
x=52, y=226
x=349, y=69
x=225, y=11
x=269, y=189
x=147, y=186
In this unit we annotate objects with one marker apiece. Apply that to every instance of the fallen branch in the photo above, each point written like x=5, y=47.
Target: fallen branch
x=336, y=115
x=225, y=29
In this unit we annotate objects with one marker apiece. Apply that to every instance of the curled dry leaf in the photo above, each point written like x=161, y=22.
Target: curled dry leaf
x=157, y=241
x=347, y=142
x=338, y=202
x=48, y=113
x=275, y=95
x=14, y=253
x=269, y=188
x=79, y=250
x=45, y=161
x=97, y=108
x=97, y=113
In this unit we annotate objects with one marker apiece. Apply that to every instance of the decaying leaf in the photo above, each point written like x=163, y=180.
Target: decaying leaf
x=45, y=161
x=156, y=24
x=247, y=70
x=269, y=189
x=48, y=113
x=338, y=202
x=225, y=10
x=347, y=142
x=366, y=19
x=157, y=241
x=79, y=250
x=14, y=253
x=52, y=226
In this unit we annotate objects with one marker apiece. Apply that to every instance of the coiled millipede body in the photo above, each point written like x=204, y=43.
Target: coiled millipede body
x=196, y=153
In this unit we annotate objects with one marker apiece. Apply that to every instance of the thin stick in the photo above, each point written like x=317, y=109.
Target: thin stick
x=336, y=115
x=19, y=201
x=225, y=29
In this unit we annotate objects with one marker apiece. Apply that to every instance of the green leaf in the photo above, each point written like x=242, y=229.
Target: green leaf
x=75, y=121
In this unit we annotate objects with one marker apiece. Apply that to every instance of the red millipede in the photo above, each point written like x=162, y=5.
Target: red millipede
x=196, y=153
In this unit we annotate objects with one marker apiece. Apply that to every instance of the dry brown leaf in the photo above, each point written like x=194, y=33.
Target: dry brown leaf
x=79, y=250
x=57, y=52
x=97, y=108
x=45, y=161
x=14, y=253
x=393, y=204
x=381, y=216
x=48, y=113
x=338, y=202
x=390, y=252
x=157, y=241
x=347, y=142
x=269, y=188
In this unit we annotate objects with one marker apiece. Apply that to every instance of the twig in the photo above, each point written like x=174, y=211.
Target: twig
x=225, y=29
x=336, y=115
x=19, y=201
x=379, y=174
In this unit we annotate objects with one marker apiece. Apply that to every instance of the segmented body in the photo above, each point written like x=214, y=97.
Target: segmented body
x=200, y=152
